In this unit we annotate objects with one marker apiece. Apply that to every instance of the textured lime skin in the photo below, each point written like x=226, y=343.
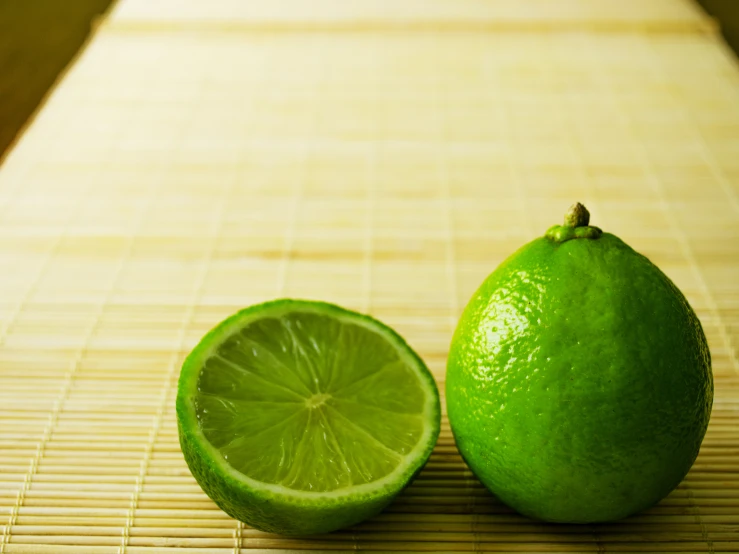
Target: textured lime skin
x=579, y=382
x=275, y=511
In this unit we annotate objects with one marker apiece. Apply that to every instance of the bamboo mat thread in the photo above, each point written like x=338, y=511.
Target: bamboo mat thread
x=179, y=173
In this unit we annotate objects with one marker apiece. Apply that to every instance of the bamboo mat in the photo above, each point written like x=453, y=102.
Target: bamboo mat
x=180, y=172
x=497, y=14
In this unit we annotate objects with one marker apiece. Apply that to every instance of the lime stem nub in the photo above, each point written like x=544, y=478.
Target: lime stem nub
x=575, y=226
x=577, y=216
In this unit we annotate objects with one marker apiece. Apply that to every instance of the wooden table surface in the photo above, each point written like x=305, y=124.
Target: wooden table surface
x=199, y=157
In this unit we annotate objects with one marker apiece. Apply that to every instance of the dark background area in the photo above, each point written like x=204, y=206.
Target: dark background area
x=727, y=13
x=38, y=38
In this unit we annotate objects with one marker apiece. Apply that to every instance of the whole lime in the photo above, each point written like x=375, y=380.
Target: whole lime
x=579, y=382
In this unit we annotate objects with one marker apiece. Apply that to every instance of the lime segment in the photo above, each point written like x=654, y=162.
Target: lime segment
x=297, y=404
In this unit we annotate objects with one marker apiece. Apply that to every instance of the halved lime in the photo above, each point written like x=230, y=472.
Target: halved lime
x=302, y=417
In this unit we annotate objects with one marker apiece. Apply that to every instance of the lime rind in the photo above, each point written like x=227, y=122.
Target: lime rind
x=277, y=507
x=579, y=384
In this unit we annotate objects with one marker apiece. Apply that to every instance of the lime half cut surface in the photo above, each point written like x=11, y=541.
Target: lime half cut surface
x=301, y=417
